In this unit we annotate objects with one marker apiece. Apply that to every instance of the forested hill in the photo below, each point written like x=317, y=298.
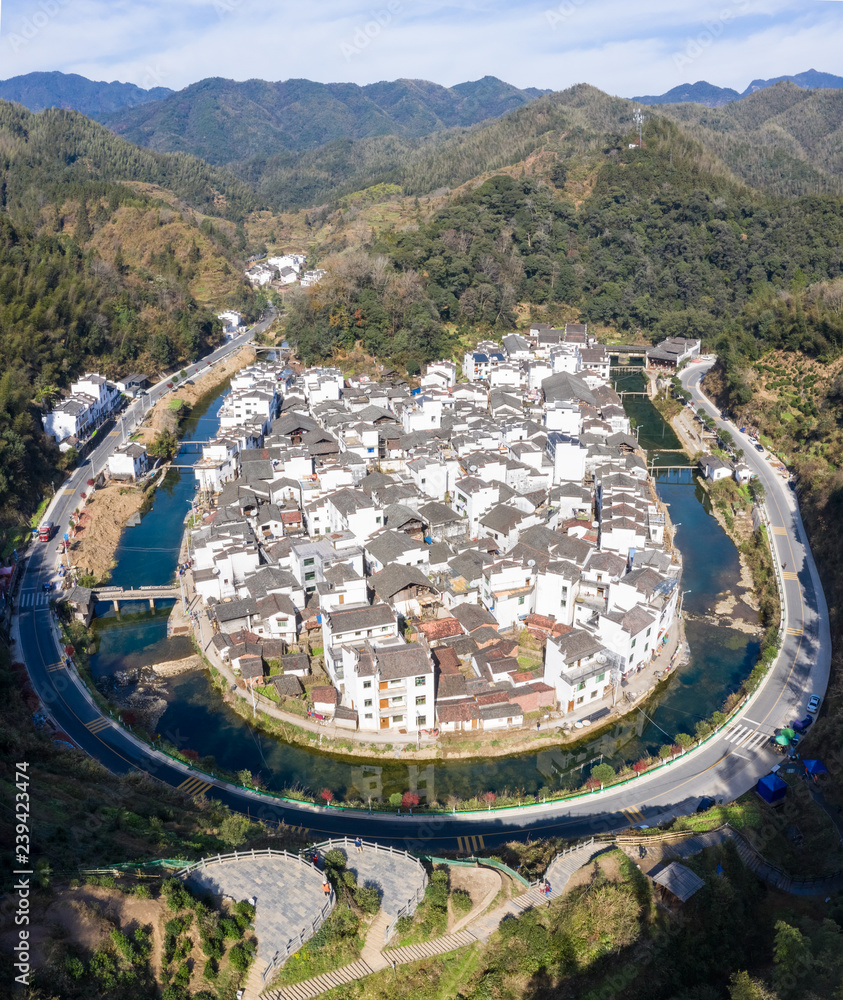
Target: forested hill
x=782, y=139
x=225, y=121
x=37, y=91
x=667, y=242
x=104, y=264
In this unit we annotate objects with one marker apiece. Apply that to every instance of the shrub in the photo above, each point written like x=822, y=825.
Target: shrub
x=177, y=894
x=230, y=930
x=182, y=976
x=367, y=898
x=239, y=958
x=334, y=861
x=665, y=751
x=461, y=901
x=409, y=800
x=246, y=909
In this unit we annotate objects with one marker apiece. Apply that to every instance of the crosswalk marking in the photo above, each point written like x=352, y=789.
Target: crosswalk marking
x=194, y=786
x=634, y=815
x=779, y=531
x=467, y=844
x=745, y=737
x=68, y=492
x=53, y=667
x=33, y=599
x=794, y=631
x=97, y=725
x=790, y=576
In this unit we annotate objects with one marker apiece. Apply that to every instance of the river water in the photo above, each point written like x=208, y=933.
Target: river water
x=196, y=717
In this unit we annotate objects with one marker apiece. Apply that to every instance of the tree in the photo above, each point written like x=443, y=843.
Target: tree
x=234, y=829
x=743, y=987
x=396, y=799
x=792, y=957
x=327, y=795
x=489, y=798
x=409, y=800
x=641, y=765
x=665, y=751
x=603, y=772
x=683, y=740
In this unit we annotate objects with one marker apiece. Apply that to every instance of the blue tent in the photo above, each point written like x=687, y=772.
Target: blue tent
x=771, y=788
x=815, y=767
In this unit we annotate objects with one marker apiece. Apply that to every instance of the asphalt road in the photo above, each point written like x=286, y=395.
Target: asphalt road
x=724, y=767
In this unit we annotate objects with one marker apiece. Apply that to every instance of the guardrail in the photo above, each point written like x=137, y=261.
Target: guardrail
x=307, y=932
x=562, y=854
x=412, y=902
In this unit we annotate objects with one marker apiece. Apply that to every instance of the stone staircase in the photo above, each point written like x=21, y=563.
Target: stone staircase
x=319, y=984
x=438, y=946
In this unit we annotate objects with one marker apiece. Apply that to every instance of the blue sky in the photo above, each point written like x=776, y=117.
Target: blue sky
x=623, y=47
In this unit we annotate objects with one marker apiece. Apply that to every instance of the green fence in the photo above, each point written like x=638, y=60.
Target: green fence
x=474, y=862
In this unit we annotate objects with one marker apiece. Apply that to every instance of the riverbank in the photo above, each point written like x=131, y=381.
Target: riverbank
x=164, y=416
x=99, y=527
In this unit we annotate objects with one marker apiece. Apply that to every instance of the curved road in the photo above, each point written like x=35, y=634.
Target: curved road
x=725, y=766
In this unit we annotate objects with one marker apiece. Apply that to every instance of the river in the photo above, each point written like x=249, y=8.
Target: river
x=196, y=717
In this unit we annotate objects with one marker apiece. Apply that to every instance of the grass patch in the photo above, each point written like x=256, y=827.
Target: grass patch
x=338, y=942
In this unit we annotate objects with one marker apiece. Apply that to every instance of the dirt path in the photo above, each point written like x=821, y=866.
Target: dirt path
x=100, y=526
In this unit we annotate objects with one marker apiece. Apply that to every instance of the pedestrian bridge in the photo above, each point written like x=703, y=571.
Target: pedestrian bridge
x=118, y=595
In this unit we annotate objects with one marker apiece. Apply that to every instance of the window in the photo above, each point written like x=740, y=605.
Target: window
x=367, y=703
x=632, y=644
x=398, y=699
x=395, y=682
x=649, y=630
x=309, y=576
x=593, y=695
x=601, y=677
x=521, y=599
x=367, y=685
x=420, y=682
x=421, y=720
x=630, y=659
x=378, y=519
x=309, y=562
x=421, y=699
x=581, y=686
x=368, y=715
x=397, y=720
x=581, y=699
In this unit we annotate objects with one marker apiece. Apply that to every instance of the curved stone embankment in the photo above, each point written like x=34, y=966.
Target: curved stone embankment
x=171, y=668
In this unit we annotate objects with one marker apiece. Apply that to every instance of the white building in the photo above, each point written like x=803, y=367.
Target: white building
x=128, y=461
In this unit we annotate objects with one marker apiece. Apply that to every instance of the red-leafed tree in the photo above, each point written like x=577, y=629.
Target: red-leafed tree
x=327, y=795
x=409, y=800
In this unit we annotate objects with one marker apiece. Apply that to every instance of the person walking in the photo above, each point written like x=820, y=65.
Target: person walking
x=358, y=843
x=315, y=860
x=326, y=887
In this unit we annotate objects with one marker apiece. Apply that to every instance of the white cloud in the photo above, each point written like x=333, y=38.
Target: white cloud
x=620, y=47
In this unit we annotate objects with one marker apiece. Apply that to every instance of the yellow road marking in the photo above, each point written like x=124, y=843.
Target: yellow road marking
x=779, y=531
x=194, y=786
x=633, y=815
x=97, y=725
x=790, y=576
x=55, y=666
x=794, y=631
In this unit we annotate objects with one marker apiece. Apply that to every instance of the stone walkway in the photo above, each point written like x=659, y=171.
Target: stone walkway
x=287, y=891
x=396, y=876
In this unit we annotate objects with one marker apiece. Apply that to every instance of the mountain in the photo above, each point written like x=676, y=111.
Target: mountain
x=782, y=139
x=812, y=80
x=37, y=91
x=699, y=92
x=713, y=97
x=224, y=121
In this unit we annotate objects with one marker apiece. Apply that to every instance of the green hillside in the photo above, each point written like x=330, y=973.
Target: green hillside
x=104, y=264
x=224, y=121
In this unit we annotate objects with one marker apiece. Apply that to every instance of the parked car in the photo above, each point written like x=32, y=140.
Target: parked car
x=795, y=742
x=814, y=704
x=803, y=723
x=759, y=447
x=705, y=804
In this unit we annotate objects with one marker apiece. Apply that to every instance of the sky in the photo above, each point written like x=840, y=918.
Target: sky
x=622, y=47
